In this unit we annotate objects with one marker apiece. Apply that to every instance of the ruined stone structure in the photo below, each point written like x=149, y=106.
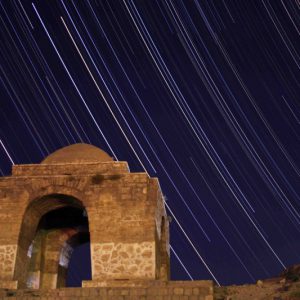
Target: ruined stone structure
x=75, y=195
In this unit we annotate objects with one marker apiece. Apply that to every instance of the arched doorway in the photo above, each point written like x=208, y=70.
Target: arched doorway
x=53, y=226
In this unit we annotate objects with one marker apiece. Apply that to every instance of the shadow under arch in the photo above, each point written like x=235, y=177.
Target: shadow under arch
x=44, y=224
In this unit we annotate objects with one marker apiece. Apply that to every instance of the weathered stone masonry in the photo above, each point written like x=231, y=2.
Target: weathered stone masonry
x=79, y=194
x=125, y=212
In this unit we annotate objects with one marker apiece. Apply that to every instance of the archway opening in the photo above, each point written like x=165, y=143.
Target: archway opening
x=53, y=227
x=65, y=217
x=79, y=266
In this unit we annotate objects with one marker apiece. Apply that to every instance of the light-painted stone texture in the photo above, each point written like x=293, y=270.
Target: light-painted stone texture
x=123, y=260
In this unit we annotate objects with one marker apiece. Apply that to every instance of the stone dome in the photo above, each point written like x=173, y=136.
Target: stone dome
x=77, y=154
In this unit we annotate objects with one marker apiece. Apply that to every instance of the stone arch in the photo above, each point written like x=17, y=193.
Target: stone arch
x=39, y=192
x=46, y=200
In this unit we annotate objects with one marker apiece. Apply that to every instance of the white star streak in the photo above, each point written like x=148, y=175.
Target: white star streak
x=173, y=184
x=26, y=15
x=231, y=221
x=294, y=115
x=111, y=77
x=247, y=92
x=295, y=26
x=169, y=177
x=258, y=163
x=214, y=157
x=6, y=151
x=282, y=34
x=193, y=246
x=73, y=82
x=47, y=69
x=57, y=125
x=23, y=111
x=181, y=263
x=105, y=100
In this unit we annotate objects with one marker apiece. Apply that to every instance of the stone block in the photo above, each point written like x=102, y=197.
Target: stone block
x=196, y=291
x=188, y=291
x=178, y=291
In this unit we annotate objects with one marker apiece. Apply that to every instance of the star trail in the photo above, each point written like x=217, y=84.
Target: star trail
x=203, y=95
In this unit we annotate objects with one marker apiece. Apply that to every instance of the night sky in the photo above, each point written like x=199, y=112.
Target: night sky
x=203, y=94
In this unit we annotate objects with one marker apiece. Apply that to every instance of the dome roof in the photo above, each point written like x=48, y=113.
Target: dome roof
x=77, y=153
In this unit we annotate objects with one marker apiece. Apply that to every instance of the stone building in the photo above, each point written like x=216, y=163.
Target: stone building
x=75, y=195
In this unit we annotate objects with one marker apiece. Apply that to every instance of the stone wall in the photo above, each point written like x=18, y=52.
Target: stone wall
x=152, y=290
x=124, y=260
x=68, y=169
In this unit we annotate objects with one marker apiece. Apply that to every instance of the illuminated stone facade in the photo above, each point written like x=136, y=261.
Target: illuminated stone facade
x=80, y=194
